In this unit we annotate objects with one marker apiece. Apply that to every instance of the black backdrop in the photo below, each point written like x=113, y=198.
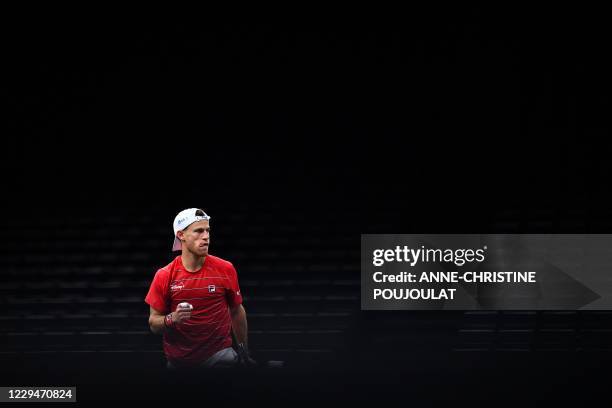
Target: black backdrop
x=297, y=139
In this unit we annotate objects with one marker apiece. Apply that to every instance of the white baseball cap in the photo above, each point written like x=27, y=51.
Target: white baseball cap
x=184, y=219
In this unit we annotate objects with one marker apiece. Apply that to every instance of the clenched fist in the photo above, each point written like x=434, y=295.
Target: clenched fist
x=182, y=313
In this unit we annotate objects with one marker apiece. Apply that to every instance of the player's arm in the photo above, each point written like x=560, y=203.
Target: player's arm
x=156, y=321
x=239, y=333
x=239, y=323
x=159, y=322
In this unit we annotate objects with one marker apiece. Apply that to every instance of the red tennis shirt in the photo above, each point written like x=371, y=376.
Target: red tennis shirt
x=210, y=290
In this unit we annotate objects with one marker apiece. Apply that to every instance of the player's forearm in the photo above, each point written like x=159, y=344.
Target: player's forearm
x=239, y=324
x=157, y=324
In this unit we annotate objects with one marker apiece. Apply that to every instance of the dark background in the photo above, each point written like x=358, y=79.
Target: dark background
x=297, y=138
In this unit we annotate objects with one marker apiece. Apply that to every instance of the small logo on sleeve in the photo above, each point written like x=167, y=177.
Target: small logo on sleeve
x=211, y=288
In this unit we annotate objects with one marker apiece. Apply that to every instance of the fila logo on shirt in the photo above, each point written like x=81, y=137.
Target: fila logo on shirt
x=211, y=288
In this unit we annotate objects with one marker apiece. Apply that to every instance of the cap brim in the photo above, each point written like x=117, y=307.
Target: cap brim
x=177, y=244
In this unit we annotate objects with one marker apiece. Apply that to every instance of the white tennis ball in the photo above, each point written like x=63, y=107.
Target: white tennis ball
x=185, y=305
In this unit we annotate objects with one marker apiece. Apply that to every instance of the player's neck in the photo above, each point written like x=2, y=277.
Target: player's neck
x=192, y=262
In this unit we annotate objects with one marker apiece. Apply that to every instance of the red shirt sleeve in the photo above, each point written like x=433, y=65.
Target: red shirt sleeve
x=158, y=297
x=234, y=297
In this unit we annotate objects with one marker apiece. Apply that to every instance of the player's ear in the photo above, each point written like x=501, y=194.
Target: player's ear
x=181, y=235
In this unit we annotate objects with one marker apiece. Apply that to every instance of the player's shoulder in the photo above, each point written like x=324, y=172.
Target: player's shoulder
x=219, y=262
x=167, y=270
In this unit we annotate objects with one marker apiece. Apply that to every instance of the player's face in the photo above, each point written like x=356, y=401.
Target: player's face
x=197, y=238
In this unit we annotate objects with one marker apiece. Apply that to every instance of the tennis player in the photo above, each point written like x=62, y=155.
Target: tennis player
x=195, y=301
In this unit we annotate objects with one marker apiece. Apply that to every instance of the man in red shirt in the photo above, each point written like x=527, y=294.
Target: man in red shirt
x=195, y=301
